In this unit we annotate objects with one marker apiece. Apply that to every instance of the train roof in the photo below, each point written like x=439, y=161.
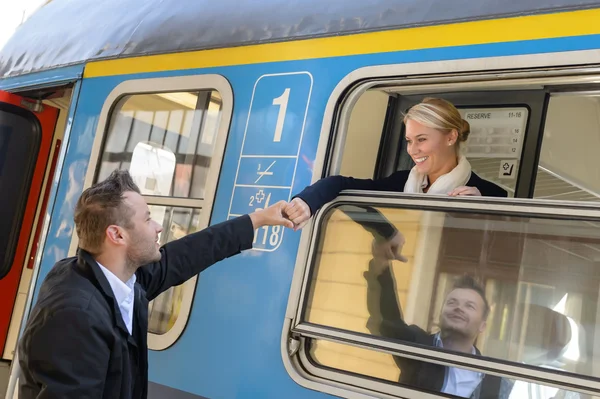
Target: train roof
x=66, y=32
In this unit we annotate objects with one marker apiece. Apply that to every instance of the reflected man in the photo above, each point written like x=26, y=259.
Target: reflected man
x=462, y=319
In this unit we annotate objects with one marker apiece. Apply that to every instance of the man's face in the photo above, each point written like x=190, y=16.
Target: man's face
x=462, y=314
x=143, y=246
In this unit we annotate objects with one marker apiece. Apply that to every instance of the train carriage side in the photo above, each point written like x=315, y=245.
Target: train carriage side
x=207, y=140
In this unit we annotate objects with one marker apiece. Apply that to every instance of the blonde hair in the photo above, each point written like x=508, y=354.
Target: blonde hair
x=439, y=114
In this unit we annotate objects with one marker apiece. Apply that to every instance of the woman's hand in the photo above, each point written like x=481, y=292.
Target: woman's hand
x=464, y=190
x=298, y=212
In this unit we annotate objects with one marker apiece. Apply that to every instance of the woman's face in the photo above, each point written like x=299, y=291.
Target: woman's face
x=432, y=150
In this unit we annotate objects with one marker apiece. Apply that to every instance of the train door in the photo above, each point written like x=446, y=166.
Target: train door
x=26, y=133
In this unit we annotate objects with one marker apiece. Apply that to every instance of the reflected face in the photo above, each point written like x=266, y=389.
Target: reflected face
x=433, y=151
x=143, y=246
x=463, y=313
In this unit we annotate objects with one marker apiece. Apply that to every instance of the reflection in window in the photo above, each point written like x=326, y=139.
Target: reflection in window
x=538, y=276
x=182, y=124
x=176, y=222
x=152, y=168
x=380, y=366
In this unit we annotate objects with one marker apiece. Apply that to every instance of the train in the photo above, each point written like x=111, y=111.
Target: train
x=220, y=109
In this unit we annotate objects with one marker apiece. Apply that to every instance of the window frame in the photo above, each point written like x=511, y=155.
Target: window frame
x=512, y=207
x=515, y=72
x=169, y=85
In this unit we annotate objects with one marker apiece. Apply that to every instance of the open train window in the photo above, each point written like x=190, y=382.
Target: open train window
x=507, y=128
x=20, y=138
x=170, y=134
x=377, y=327
x=501, y=148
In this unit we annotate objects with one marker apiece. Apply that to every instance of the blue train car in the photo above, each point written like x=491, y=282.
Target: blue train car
x=219, y=109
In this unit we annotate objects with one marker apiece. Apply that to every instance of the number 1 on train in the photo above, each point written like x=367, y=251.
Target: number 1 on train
x=282, y=101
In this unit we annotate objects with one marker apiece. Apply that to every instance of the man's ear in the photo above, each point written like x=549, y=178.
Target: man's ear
x=482, y=326
x=115, y=235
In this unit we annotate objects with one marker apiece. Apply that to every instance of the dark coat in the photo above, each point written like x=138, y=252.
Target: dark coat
x=76, y=345
x=325, y=190
x=386, y=320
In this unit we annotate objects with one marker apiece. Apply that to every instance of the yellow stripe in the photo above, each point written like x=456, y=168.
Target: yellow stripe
x=543, y=26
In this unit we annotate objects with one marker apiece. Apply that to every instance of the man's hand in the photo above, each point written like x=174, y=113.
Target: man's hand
x=298, y=212
x=271, y=216
x=390, y=249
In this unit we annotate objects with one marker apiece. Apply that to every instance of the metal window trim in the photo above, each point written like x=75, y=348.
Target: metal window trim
x=512, y=207
x=379, y=387
x=174, y=201
x=169, y=85
x=304, y=377
x=531, y=374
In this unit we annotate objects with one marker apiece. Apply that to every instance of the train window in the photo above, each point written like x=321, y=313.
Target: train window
x=568, y=169
x=177, y=222
x=183, y=124
x=20, y=138
x=170, y=134
x=505, y=128
x=503, y=284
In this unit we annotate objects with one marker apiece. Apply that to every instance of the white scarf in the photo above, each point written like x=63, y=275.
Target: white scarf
x=457, y=177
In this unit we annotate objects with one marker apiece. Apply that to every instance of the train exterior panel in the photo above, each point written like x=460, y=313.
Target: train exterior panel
x=232, y=344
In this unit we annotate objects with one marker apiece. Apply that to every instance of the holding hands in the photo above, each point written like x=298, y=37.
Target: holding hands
x=298, y=212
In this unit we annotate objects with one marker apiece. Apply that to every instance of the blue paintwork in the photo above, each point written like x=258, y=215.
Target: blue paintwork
x=49, y=77
x=231, y=345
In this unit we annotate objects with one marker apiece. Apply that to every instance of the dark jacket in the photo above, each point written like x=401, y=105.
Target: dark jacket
x=325, y=190
x=386, y=320
x=76, y=345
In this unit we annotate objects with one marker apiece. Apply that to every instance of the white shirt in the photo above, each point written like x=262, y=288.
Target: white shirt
x=459, y=382
x=124, y=295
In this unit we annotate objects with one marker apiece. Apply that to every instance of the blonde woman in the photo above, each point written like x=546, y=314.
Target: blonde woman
x=434, y=133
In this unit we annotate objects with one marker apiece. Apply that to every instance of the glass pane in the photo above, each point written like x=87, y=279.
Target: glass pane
x=521, y=289
x=568, y=168
x=177, y=222
x=19, y=145
x=429, y=377
x=362, y=140
x=165, y=139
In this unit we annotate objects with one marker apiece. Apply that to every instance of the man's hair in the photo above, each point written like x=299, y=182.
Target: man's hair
x=469, y=283
x=102, y=205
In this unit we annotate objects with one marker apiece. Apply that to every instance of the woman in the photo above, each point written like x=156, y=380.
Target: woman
x=434, y=132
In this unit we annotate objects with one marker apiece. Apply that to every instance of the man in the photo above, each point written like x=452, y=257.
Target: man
x=462, y=319
x=86, y=336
